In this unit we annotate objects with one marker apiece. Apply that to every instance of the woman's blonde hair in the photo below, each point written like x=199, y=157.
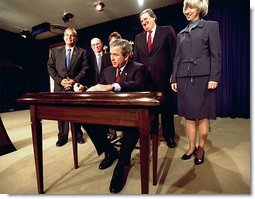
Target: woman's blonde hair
x=201, y=5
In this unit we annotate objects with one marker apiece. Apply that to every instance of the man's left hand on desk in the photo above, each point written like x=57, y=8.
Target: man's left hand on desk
x=101, y=87
x=79, y=87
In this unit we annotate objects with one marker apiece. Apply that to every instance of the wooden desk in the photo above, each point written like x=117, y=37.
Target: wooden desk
x=131, y=109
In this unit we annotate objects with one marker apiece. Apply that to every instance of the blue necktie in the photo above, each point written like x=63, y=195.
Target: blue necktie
x=68, y=55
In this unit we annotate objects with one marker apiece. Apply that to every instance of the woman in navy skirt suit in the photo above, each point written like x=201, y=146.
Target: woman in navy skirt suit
x=196, y=75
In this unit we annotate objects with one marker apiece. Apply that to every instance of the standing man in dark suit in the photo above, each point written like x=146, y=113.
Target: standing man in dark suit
x=124, y=75
x=155, y=48
x=68, y=65
x=98, y=60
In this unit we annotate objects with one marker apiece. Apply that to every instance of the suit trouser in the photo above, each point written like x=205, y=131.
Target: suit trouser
x=98, y=135
x=63, y=128
x=166, y=107
x=167, y=117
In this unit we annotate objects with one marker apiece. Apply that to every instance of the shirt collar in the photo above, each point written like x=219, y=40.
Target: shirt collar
x=101, y=53
x=72, y=48
x=123, y=67
x=153, y=30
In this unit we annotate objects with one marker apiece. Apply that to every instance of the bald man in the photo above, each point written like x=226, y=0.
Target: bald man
x=98, y=60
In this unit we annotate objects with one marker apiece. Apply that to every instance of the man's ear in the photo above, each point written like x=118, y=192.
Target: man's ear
x=127, y=56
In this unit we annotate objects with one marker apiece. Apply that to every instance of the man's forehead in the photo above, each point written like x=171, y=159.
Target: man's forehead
x=95, y=41
x=115, y=48
x=145, y=15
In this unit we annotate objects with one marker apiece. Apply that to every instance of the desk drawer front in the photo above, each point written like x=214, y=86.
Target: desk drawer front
x=92, y=115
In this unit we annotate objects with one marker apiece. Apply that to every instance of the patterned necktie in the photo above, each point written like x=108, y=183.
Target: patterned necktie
x=149, y=42
x=68, y=55
x=117, y=78
x=99, y=61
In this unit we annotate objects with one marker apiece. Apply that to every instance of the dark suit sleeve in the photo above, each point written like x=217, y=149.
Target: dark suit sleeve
x=215, y=51
x=84, y=61
x=177, y=58
x=140, y=48
x=171, y=38
x=52, y=68
x=136, y=52
x=106, y=61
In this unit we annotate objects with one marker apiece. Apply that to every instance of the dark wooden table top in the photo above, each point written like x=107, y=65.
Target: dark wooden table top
x=94, y=98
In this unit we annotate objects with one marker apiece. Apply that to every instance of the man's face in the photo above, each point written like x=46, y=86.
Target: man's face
x=96, y=45
x=70, y=38
x=117, y=59
x=147, y=22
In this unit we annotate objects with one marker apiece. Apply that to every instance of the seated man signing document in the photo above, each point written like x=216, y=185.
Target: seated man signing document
x=124, y=75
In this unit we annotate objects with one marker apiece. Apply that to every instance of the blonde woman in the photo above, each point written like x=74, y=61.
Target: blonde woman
x=196, y=75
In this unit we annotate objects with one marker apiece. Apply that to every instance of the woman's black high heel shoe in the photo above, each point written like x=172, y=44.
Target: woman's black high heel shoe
x=187, y=157
x=199, y=161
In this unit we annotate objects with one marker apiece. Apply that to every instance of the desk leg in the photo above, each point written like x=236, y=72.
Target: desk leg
x=74, y=142
x=36, y=126
x=144, y=159
x=154, y=133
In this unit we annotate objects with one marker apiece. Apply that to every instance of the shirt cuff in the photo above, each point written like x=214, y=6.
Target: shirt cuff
x=116, y=87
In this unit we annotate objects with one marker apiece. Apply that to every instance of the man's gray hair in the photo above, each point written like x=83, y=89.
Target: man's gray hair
x=73, y=31
x=125, y=45
x=150, y=12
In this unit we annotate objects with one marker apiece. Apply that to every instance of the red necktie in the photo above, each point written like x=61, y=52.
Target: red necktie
x=117, y=78
x=149, y=42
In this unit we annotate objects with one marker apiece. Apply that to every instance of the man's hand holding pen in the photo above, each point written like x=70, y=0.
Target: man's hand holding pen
x=79, y=87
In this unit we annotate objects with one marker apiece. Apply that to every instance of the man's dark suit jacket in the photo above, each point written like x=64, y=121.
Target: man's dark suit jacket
x=193, y=57
x=160, y=59
x=77, y=70
x=132, y=77
x=94, y=73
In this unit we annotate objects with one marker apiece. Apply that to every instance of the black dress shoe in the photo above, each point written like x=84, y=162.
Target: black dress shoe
x=111, y=135
x=187, y=157
x=61, y=142
x=171, y=143
x=199, y=161
x=80, y=140
x=118, y=180
x=108, y=160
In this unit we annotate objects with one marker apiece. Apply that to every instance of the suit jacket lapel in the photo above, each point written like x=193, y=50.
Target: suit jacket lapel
x=155, y=39
x=144, y=42
x=112, y=74
x=95, y=64
x=124, y=73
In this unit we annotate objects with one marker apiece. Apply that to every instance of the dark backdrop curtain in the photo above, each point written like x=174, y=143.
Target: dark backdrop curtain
x=233, y=97
x=234, y=91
